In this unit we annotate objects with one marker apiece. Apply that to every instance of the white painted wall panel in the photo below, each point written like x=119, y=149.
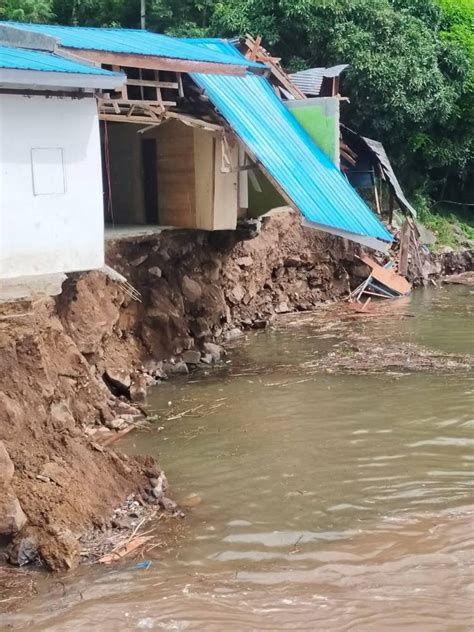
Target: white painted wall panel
x=61, y=229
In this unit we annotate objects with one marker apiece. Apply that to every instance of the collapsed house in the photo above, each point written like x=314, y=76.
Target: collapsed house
x=185, y=127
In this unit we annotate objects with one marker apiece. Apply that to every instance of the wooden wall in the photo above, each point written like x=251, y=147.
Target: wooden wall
x=176, y=179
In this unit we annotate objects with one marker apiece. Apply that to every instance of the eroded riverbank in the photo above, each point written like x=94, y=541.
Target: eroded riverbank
x=315, y=500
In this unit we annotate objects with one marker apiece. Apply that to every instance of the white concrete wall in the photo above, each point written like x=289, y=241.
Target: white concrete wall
x=51, y=215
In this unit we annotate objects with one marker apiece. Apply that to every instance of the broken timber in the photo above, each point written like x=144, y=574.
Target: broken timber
x=382, y=282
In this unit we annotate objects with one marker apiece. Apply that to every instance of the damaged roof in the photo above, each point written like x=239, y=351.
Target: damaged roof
x=310, y=81
x=25, y=59
x=131, y=41
x=310, y=180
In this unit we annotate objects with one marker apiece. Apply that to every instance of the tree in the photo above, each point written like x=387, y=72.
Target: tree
x=26, y=10
x=411, y=75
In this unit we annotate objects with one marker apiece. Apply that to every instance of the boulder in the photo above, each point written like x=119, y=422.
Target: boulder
x=12, y=516
x=215, y=351
x=119, y=378
x=138, y=388
x=236, y=294
x=200, y=327
x=234, y=333
x=6, y=466
x=244, y=262
x=23, y=551
x=191, y=357
x=61, y=415
x=178, y=368
x=191, y=289
x=155, y=271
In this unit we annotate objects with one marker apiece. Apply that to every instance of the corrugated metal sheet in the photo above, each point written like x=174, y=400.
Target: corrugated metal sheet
x=273, y=135
x=131, y=41
x=379, y=150
x=22, y=59
x=310, y=81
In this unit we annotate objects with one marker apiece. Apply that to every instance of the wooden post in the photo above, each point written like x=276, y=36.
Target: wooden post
x=405, y=239
x=376, y=194
x=390, y=208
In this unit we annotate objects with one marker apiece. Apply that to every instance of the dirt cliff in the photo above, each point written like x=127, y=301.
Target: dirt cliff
x=69, y=365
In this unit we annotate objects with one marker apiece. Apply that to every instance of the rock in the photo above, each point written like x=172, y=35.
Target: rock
x=207, y=358
x=155, y=368
x=244, y=262
x=178, y=368
x=124, y=522
x=293, y=262
x=168, y=504
x=216, y=351
x=234, y=333
x=191, y=357
x=43, y=479
x=157, y=493
x=236, y=294
x=191, y=289
x=260, y=323
x=116, y=423
x=200, y=327
x=427, y=237
x=61, y=551
x=155, y=271
x=61, y=416
x=138, y=261
x=282, y=308
x=160, y=482
x=119, y=378
x=55, y=472
x=6, y=466
x=23, y=551
x=12, y=516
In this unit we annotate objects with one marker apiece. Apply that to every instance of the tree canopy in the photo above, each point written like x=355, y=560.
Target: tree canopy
x=411, y=76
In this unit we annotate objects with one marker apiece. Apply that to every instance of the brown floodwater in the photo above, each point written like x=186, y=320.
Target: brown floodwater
x=316, y=501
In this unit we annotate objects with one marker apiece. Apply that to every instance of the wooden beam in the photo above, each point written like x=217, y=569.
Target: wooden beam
x=153, y=84
x=136, y=102
x=157, y=63
x=405, y=238
x=122, y=118
x=124, y=92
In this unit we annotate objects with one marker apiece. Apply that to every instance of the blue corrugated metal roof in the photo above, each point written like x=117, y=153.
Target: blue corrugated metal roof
x=132, y=41
x=274, y=136
x=23, y=59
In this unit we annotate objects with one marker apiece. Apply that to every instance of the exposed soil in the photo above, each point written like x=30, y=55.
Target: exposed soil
x=70, y=366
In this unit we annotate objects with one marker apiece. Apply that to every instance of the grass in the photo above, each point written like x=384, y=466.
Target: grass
x=451, y=227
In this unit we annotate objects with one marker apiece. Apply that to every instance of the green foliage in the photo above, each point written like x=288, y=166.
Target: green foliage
x=411, y=75
x=26, y=10
x=451, y=228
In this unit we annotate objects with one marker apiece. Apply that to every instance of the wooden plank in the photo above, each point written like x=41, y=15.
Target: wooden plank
x=136, y=102
x=156, y=63
x=172, y=85
x=180, y=84
x=387, y=277
x=191, y=120
x=124, y=91
x=278, y=73
x=122, y=118
x=176, y=176
x=405, y=238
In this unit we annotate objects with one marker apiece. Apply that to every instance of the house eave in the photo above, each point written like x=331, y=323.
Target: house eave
x=34, y=79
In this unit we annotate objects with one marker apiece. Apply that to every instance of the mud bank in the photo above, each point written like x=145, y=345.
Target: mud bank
x=71, y=365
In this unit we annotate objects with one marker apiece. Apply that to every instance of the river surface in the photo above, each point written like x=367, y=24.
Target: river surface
x=315, y=501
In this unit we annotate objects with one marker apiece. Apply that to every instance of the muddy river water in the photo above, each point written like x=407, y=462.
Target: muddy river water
x=315, y=501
